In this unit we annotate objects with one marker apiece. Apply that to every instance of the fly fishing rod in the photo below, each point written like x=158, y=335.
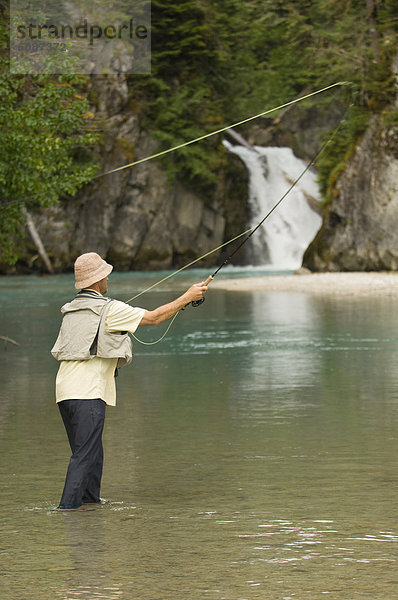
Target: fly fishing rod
x=251, y=232
x=248, y=233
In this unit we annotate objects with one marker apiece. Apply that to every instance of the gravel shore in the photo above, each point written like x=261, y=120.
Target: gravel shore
x=341, y=284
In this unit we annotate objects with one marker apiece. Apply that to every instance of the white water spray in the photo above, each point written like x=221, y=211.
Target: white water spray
x=281, y=242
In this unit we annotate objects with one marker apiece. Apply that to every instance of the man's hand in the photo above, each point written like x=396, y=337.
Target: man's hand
x=195, y=292
x=162, y=313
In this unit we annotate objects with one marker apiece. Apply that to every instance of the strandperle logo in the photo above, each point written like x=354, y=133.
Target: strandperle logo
x=56, y=37
x=82, y=31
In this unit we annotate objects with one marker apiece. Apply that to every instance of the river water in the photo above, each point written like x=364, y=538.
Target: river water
x=252, y=454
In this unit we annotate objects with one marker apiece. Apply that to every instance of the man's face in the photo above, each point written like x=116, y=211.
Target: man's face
x=103, y=285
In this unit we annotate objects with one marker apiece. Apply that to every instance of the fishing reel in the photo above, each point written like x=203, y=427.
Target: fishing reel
x=196, y=303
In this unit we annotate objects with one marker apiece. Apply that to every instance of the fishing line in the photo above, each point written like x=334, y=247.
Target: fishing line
x=207, y=135
x=295, y=182
x=188, y=265
x=249, y=232
x=162, y=337
x=172, y=275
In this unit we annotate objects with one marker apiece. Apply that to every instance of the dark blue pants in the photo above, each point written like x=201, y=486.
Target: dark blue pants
x=84, y=423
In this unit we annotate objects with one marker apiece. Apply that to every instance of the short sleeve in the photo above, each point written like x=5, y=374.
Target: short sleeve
x=123, y=317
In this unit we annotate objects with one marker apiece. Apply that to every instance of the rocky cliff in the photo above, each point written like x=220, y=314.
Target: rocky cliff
x=360, y=224
x=137, y=218
x=140, y=219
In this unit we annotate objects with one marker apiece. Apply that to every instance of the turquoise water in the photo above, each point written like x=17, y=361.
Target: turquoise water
x=252, y=454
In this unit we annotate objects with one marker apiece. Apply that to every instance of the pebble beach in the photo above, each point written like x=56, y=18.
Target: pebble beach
x=337, y=284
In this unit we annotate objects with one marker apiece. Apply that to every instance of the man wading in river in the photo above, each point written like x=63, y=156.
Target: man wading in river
x=92, y=344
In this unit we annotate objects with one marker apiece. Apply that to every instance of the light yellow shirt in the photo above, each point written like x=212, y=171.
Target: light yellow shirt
x=95, y=378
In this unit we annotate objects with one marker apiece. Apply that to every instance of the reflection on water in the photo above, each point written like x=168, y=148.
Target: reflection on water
x=89, y=573
x=251, y=455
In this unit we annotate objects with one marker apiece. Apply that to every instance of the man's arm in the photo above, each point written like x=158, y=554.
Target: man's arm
x=166, y=311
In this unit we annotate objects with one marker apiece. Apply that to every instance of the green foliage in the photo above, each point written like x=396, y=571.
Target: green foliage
x=342, y=142
x=215, y=62
x=181, y=100
x=181, y=118
x=391, y=118
x=44, y=134
x=355, y=41
x=211, y=67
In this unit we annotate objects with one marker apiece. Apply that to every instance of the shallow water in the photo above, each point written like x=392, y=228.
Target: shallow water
x=252, y=454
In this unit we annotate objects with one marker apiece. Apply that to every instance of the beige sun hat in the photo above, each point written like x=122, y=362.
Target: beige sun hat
x=90, y=268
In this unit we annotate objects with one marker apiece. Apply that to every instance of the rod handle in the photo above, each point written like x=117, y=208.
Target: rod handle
x=197, y=303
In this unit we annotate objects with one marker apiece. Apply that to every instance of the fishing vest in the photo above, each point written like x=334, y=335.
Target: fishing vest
x=83, y=334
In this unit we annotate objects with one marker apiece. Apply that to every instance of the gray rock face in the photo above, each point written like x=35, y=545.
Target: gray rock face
x=136, y=217
x=360, y=229
x=299, y=128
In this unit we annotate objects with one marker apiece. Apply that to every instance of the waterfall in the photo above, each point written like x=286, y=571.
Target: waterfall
x=281, y=242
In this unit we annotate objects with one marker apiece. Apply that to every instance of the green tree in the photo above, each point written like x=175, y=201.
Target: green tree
x=357, y=41
x=46, y=137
